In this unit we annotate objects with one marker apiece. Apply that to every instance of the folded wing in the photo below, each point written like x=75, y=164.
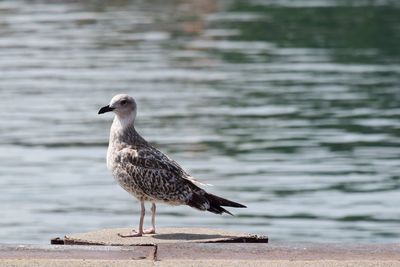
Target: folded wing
x=161, y=179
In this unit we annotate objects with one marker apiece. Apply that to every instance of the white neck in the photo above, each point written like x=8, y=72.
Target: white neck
x=124, y=121
x=118, y=126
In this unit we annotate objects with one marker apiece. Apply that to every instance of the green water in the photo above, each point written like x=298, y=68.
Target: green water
x=289, y=107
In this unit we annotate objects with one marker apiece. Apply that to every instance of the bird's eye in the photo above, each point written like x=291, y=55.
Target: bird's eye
x=123, y=102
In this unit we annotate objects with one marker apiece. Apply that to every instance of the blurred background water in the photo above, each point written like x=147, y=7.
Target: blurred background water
x=290, y=107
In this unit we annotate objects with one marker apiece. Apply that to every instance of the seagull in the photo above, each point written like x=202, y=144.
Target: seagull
x=147, y=173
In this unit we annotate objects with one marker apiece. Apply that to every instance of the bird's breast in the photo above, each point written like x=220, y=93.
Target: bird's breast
x=110, y=161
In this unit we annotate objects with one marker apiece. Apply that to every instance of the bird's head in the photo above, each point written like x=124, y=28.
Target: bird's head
x=124, y=106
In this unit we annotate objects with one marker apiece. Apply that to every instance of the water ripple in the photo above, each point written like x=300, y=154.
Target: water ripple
x=279, y=104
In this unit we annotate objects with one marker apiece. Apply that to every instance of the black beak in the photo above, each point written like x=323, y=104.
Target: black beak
x=105, y=109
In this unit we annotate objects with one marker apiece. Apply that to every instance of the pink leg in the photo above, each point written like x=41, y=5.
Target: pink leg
x=152, y=230
x=140, y=232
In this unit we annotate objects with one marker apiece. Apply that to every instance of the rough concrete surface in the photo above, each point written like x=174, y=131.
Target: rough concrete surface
x=203, y=254
x=280, y=263
x=193, y=263
x=76, y=252
x=164, y=235
x=303, y=252
x=74, y=263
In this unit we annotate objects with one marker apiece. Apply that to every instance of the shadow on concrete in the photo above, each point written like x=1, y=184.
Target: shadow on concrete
x=188, y=236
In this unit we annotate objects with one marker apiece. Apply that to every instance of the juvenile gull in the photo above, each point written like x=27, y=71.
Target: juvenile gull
x=147, y=173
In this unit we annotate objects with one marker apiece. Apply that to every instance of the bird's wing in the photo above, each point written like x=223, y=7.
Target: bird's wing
x=158, y=157
x=185, y=174
x=156, y=175
x=159, y=178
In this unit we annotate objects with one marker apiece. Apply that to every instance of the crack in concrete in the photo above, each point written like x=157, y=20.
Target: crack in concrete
x=154, y=254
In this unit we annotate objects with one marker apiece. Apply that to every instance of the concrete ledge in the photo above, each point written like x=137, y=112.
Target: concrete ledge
x=192, y=263
x=280, y=263
x=208, y=254
x=76, y=252
x=267, y=252
x=74, y=263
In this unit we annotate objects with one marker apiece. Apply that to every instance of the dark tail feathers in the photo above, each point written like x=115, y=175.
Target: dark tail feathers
x=215, y=203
